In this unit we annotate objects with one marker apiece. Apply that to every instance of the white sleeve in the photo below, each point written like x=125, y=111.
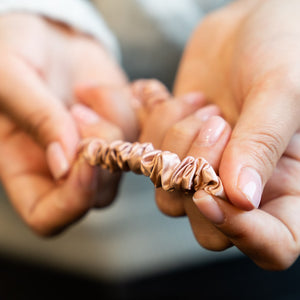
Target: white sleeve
x=80, y=14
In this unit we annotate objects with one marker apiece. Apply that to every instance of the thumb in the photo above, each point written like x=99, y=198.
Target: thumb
x=26, y=99
x=266, y=124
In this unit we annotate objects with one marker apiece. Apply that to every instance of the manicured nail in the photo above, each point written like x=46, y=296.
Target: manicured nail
x=211, y=131
x=193, y=98
x=206, y=112
x=84, y=114
x=83, y=87
x=135, y=103
x=209, y=208
x=249, y=183
x=57, y=160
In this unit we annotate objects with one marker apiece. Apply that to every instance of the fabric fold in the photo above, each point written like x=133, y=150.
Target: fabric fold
x=164, y=168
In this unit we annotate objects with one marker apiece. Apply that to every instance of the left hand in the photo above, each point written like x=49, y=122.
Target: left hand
x=41, y=63
x=244, y=58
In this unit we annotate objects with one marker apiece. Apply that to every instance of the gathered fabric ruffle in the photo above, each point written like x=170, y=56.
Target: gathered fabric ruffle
x=164, y=168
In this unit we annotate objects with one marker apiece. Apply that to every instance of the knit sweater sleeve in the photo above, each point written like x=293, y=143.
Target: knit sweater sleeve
x=79, y=14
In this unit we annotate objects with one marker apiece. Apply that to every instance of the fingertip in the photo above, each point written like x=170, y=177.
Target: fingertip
x=208, y=207
x=250, y=186
x=60, y=154
x=85, y=91
x=84, y=114
x=193, y=98
x=57, y=160
x=242, y=183
x=211, y=131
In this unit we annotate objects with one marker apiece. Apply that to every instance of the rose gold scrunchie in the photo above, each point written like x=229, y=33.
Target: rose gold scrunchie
x=164, y=168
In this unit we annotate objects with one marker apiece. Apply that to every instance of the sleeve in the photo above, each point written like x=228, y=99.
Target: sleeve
x=79, y=14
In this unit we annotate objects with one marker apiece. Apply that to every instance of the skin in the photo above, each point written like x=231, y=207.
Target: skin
x=247, y=63
x=43, y=71
x=252, y=59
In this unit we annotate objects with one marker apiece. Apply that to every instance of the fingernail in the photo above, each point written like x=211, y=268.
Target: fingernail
x=135, y=103
x=211, y=131
x=209, y=208
x=57, y=160
x=249, y=183
x=84, y=114
x=83, y=87
x=204, y=113
x=193, y=98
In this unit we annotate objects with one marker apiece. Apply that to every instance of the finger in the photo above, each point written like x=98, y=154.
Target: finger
x=293, y=147
x=146, y=93
x=186, y=132
x=113, y=104
x=205, y=231
x=26, y=99
x=211, y=141
x=91, y=124
x=262, y=133
x=149, y=92
x=269, y=236
x=166, y=114
x=209, y=144
x=45, y=205
x=284, y=180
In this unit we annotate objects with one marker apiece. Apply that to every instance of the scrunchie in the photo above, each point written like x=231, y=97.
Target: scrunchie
x=164, y=168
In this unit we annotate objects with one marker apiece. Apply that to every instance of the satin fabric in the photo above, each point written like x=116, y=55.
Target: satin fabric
x=164, y=168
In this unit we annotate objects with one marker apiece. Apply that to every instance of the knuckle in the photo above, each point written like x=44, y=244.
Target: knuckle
x=267, y=147
x=264, y=147
x=147, y=90
x=164, y=109
x=165, y=114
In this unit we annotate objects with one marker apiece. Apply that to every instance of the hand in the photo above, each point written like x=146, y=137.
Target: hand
x=42, y=121
x=244, y=58
x=190, y=127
